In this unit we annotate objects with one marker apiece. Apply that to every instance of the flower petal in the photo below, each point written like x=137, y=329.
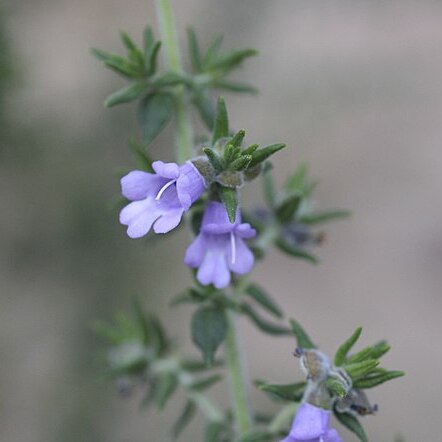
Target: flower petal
x=195, y=252
x=245, y=230
x=166, y=170
x=244, y=258
x=168, y=221
x=139, y=217
x=215, y=219
x=137, y=185
x=190, y=185
x=213, y=269
x=310, y=422
x=332, y=436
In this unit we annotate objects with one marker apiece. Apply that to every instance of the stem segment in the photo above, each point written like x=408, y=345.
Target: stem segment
x=184, y=135
x=238, y=381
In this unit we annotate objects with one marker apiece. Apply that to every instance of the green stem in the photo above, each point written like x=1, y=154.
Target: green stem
x=238, y=379
x=184, y=135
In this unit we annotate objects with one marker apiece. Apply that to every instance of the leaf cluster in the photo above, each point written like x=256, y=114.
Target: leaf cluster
x=141, y=355
x=230, y=164
x=156, y=91
x=289, y=219
x=209, y=321
x=362, y=368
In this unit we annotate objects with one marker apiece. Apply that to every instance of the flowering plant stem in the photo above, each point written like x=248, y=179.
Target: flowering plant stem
x=237, y=374
x=184, y=132
x=184, y=144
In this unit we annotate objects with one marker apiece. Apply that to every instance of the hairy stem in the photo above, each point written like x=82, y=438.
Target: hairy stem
x=238, y=378
x=184, y=135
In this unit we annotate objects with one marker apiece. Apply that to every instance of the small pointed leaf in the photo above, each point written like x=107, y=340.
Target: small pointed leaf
x=229, y=198
x=302, y=338
x=351, y=422
x=126, y=94
x=261, y=155
x=262, y=324
x=209, y=327
x=186, y=416
x=154, y=112
x=295, y=251
x=285, y=392
x=343, y=350
x=262, y=298
x=221, y=128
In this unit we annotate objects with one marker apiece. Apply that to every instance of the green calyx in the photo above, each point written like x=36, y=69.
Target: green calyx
x=230, y=163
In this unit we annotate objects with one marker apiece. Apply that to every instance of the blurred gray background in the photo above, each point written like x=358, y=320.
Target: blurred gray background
x=353, y=87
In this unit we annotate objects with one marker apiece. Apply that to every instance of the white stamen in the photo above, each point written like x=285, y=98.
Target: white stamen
x=233, y=247
x=163, y=189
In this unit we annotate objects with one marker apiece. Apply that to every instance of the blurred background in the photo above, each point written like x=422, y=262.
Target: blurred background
x=353, y=87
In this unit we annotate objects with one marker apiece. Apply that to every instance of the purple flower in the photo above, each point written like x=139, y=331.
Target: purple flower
x=311, y=425
x=159, y=199
x=219, y=248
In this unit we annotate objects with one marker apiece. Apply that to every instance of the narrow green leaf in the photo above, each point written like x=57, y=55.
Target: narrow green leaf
x=231, y=60
x=114, y=62
x=166, y=388
x=286, y=211
x=262, y=324
x=261, y=155
x=194, y=50
x=221, y=127
x=229, y=198
x=263, y=299
x=212, y=52
x=249, y=150
x=154, y=112
x=151, y=59
x=269, y=186
x=351, y=422
x=238, y=138
x=297, y=181
x=336, y=387
x=214, y=159
x=214, y=432
x=241, y=163
x=360, y=369
x=205, y=108
x=204, y=384
x=373, y=352
x=189, y=296
x=135, y=55
x=126, y=94
x=148, y=40
x=343, y=350
x=127, y=41
x=302, y=338
x=379, y=349
x=209, y=327
x=323, y=217
x=295, y=251
x=166, y=80
x=285, y=392
x=230, y=153
x=185, y=418
x=373, y=381
x=234, y=86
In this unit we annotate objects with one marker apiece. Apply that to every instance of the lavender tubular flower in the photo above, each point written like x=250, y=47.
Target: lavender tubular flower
x=220, y=248
x=311, y=424
x=159, y=199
